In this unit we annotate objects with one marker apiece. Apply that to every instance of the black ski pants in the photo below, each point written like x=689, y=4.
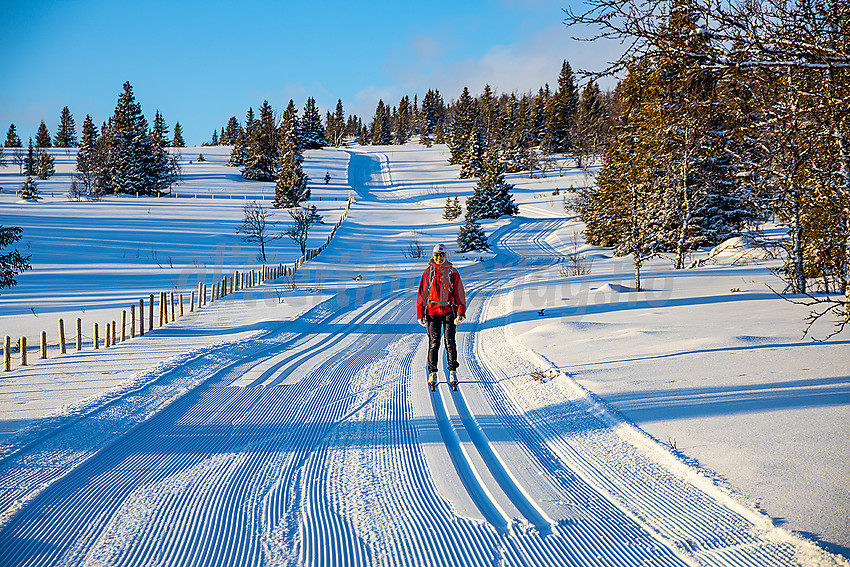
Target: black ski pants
x=435, y=325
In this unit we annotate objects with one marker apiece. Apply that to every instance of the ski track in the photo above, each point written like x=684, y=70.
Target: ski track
x=301, y=448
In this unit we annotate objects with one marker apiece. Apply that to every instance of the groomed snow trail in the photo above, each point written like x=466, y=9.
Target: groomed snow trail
x=321, y=445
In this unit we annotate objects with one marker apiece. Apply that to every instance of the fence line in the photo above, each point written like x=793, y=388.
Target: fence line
x=239, y=281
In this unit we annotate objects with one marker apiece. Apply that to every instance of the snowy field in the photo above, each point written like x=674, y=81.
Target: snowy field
x=289, y=423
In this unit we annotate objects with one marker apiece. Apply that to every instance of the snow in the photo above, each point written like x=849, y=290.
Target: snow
x=689, y=419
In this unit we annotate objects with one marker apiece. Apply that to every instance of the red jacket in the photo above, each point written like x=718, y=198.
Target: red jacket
x=440, y=291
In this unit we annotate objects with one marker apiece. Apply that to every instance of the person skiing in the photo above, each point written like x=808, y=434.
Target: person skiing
x=440, y=304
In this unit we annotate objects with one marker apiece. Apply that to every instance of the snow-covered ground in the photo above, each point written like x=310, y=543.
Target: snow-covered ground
x=292, y=426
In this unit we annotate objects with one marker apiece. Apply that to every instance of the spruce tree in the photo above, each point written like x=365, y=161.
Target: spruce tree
x=42, y=136
x=13, y=262
x=178, y=141
x=44, y=168
x=232, y=132
x=12, y=139
x=159, y=133
x=588, y=132
x=66, y=133
x=464, y=118
x=381, y=127
x=471, y=236
x=363, y=138
x=472, y=161
x=560, y=112
x=405, y=121
x=312, y=131
x=29, y=190
x=492, y=196
x=262, y=152
x=133, y=162
x=31, y=159
x=452, y=209
x=90, y=162
x=338, y=131
x=291, y=186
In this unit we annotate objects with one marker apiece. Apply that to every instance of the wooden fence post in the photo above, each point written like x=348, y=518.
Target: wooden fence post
x=181, y=304
x=133, y=321
x=106, y=338
x=23, y=345
x=192, y=303
x=96, y=338
x=150, y=314
x=44, y=344
x=7, y=354
x=205, y=294
x=62, y=336
x=123, y=325
x=141, y=317
x=79, y=334
x=173, y=317
x=200, y=291
x=161, y=308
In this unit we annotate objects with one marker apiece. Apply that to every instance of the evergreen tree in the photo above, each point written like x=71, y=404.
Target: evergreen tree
x=31, y=159
x=538, y=115
x=159, y=133
x=439, y=134
x=29, y=190
x=492, y=196
x=12, y=263
x=432, y=108
x=44, y=168
x=262, y=152
x=472, y=161
x=178, y=142
x=560, y=111
x=381, y=127
x=90, y=161
x=66, y=133
x=133, y=162
x=453, y=209
x=590, y=122
x=405, y=121
x=42, y=136
x=338, y=132
x=240, y=146
x=232, y=132
x=363, y=138
x=291, y=187
x=471, y=236
x=312, y=130
x=464, y=119
x=488, y=110
x=620, y=210
x=517, y=153
x=12, y=139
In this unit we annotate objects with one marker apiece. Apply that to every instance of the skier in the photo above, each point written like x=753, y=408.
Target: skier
x=440, y=304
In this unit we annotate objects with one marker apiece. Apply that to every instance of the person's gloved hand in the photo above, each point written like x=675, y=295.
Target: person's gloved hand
x=423, y=322
x=459, y=319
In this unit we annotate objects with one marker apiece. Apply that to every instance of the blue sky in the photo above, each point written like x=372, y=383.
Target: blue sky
x=201, y=62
